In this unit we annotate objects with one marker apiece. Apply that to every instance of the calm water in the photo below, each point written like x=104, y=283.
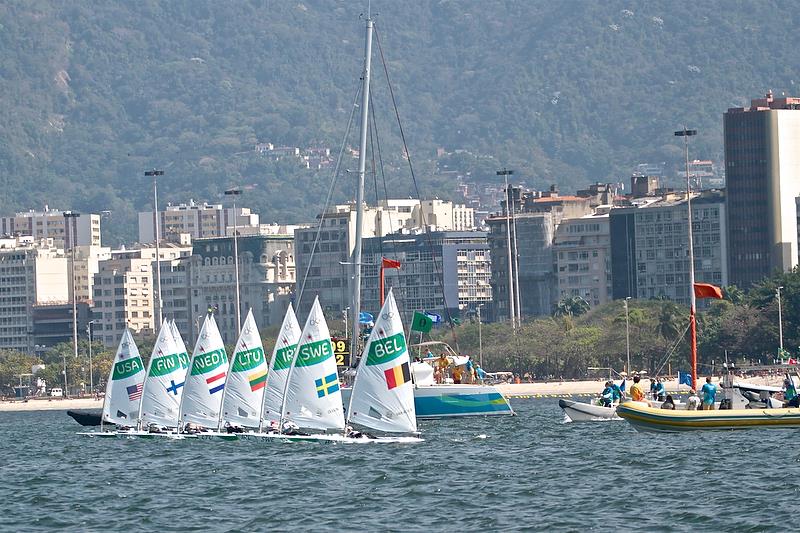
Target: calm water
x=530, y=472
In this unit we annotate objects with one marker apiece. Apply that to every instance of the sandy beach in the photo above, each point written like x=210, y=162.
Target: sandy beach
x=51, y=404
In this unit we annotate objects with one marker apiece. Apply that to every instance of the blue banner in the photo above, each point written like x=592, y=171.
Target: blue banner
x=684, y=378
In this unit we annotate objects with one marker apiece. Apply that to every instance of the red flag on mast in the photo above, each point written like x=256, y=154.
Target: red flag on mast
x=707, y=290
x=389, y=263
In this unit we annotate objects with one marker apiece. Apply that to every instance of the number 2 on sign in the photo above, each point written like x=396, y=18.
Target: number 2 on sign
x=339, y=359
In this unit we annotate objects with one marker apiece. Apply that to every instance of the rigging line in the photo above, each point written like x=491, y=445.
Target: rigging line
x=437, y=270
x=674, y=346
x=329, y=195
x=375, y=182
x=380, y=161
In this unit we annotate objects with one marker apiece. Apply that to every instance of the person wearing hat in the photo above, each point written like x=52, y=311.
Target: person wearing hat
x=693, y=401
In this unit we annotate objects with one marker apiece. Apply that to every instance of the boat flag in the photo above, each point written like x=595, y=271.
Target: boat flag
x=421, y=322
x=622, y=385
x=258, y=380
x=685, y=378
x=213, y=382
x=707, y=290
x=366, y=318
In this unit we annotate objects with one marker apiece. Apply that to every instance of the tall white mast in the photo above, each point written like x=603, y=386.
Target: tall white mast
x=362, y=169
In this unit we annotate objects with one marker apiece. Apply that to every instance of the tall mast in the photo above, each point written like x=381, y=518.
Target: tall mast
x=362, y=169
x=686, y=133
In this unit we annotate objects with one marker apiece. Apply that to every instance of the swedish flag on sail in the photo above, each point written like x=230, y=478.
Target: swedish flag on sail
x=327, y=385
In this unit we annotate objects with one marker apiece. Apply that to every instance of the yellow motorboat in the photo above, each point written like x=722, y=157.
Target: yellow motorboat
x=645, y=418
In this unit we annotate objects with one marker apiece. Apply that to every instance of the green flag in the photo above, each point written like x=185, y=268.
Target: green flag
x=421, y=323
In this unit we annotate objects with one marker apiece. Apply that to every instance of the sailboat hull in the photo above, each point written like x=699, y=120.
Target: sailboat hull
x=444, y=401
x=645, y=418
x=586, y=412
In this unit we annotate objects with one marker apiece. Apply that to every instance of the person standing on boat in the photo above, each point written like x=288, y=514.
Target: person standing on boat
x=660, y=392
x=790, y=392
x=480, y=373
x=637, y=394
x=709, y=392
x=618, y=393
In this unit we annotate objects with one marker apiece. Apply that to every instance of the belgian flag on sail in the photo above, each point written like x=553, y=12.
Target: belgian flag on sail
x=398, y=375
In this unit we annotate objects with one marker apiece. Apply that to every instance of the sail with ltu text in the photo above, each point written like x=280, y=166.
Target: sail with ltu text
x=163, y=388
x=125, y=383
x=313, y=398
x=205, y=380
x=244, y=388
x=383, y=394
x=279, y=366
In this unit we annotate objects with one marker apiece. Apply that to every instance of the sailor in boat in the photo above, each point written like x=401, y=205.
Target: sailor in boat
x=658, y=390
x=618, y=392
x=709, y=392
x=607, y=396
x=441, y=368
x=480, y=373
x=355, y=434
x=233, y=428
x=669, y=403
x=637, y=394
x=693, y=401
x=790, y=393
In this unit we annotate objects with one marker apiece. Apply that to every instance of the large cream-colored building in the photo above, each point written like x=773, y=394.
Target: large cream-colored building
x=82, y=230
x=124, y=290
x=200, y=221
x=31, y=273
x=87, y=263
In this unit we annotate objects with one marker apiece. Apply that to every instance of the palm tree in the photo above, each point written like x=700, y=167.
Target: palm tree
x=670, y=322
x=733, y=294
x=571, y=306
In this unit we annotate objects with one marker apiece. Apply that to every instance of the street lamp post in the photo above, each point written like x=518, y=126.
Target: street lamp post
x=511, y=298
x=155, y=174
x=235, y=193
x=780, y=321
x=69, y=220
x=686, y=133
x=91, y=373
x=346, y=323
x=627, y=336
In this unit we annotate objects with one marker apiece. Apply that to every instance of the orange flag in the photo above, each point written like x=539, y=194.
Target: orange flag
x=390, y=263
x=707, y=290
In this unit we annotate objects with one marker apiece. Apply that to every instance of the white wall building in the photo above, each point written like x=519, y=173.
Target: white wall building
x=83, y=230
x=200, y=221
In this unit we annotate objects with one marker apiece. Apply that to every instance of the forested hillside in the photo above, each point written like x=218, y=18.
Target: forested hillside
x=94, y=93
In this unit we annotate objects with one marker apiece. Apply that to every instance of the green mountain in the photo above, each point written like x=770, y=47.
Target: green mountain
x=94, y=93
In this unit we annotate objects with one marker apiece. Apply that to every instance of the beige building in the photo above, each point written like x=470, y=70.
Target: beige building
x=82, y=230
x=31, y=273
x=87, y=264
x=197, y=220
x=582, y=253
x=124, y=288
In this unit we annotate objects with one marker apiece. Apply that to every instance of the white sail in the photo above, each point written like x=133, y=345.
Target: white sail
x=178, y=339
x=125, y=383
x=163, y=388
x=313, y=398
x=205, y=380
x=383, y=394
x=279, y=366
x=244, y=388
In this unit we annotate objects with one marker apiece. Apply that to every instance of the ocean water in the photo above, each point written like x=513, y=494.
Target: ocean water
x=532, y=472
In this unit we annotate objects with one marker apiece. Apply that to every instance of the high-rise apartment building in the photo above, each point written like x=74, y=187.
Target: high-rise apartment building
x=31, y=273
x=582, y=252
x=81, y=230
x=762, y=176
x=200, y=221
x=442, y=272
x=329, y=274
x=649, y=246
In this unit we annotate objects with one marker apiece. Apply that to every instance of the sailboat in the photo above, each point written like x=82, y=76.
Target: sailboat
x=382, y=398
x=243, y=395
x=279, y=368
x=162, y=388
x=123, y=388
x=313, y=399
x=208, y=368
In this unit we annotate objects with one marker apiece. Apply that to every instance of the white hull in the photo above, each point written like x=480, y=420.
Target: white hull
x=334, y=438
x=586, y=412
x=138, y=435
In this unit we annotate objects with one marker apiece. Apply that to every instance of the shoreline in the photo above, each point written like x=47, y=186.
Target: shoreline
x=50, y=404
